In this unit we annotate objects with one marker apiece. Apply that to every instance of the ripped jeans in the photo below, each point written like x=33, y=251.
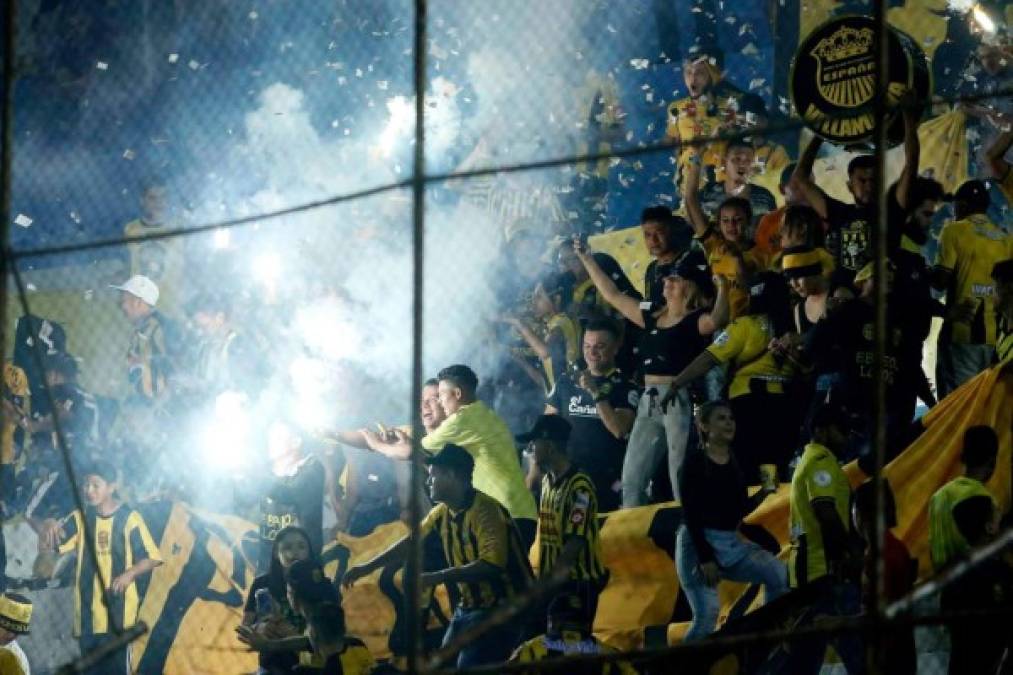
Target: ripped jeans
x=738, y=560
x=655, y=435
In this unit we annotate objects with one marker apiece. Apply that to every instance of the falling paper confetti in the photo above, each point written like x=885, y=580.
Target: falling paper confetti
x=31, y=287
x=194, y=65
x=173, y=58
x=102, y=65
x=639, y=64
x=128, y=154
x=23, y=220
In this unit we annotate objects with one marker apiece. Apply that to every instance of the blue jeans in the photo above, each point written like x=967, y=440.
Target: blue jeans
x=494, y=646
x=805, y=656
x=655, y=435
x=738, y=560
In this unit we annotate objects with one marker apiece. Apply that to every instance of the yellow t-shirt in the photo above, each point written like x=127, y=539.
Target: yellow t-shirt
x=969, y=248
x=818, y=476
x=727, y=266
x=486, y=437
x=946, y=543
x=12, y=660
x=560, y=327
x=1004, y=343
x=743, y=343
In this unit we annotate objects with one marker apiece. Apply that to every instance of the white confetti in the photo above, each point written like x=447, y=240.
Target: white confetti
x=102, y=65
x=382, y=85
x=22, y=220
x=128, y=154
x=194, y=65
x=610, y=28
x=750, y=50
x=253, y=16
x=89, y=294
x=757, y=83
x=75, y=216
x=639, y=64
x=31, y=287
x=173, y=58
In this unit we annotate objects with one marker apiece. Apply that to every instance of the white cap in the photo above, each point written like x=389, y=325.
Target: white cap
x=140, y=286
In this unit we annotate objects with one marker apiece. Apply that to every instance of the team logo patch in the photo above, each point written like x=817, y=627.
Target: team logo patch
x=822, y=478
x=834, y=79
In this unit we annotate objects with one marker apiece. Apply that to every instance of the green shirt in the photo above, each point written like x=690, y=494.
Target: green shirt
x=946, y=543
x=487, y=439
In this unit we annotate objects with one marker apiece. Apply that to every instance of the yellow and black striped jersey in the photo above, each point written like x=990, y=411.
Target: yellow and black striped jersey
x=149, y=360
x=483, y=531
x=569, y=508
x=121, y=541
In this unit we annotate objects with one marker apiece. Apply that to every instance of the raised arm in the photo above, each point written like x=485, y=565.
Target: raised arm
x=532, y=339
x=997, y=154
x=912, y=148
x=691, y=196
x=627, y=306
x=802, y=178
x=717, y=318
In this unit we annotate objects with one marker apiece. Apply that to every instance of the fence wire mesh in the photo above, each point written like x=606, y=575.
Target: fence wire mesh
x=231, y=301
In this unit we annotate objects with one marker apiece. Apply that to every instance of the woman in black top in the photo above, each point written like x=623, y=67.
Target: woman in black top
x=714, y=501
x=672, y=337
x=277, y=633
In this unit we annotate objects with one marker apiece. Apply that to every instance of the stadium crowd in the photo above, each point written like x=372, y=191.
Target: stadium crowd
x=747, y=359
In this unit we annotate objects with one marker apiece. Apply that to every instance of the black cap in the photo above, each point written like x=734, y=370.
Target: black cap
x=454, y=457
x=693, y=267
x=971, y=191
x=308, y=581
x=549, y=428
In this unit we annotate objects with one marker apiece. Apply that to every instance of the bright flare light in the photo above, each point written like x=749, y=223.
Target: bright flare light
x=267, y=268
x=225, y=439
x=983, y=20
x=961, y=5
x=325, y=330
x=402, y=119
x=222, y=238
x=309, y=385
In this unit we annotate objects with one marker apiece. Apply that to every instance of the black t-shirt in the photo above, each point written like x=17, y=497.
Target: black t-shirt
x=293, y=500
x=714, y=497
x=667, y=351
x=280, y=661
x=850, y=235
x=850, y=328
x=592, y=446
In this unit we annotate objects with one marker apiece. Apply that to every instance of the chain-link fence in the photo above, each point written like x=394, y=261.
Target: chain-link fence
x=238, y=272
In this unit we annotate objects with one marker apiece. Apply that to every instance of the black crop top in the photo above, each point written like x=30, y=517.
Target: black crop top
x=667, y=351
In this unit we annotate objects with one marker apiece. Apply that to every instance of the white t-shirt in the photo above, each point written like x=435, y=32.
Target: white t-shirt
x=13, y=661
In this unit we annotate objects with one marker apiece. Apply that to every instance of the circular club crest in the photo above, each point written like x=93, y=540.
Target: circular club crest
x=834, y=81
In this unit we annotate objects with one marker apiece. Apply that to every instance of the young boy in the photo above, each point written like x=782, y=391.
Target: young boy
x=106, y=597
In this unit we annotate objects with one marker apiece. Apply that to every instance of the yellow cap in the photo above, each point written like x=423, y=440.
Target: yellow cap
x=15, y=613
